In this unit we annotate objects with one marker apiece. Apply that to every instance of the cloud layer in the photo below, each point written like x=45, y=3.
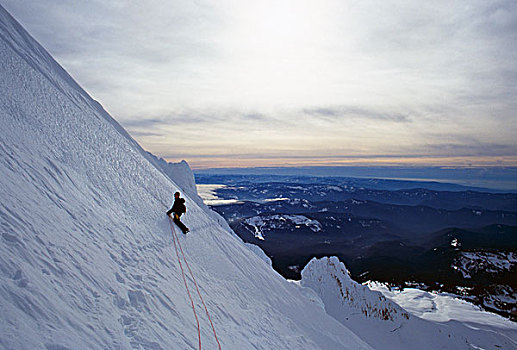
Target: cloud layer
x=295, y=80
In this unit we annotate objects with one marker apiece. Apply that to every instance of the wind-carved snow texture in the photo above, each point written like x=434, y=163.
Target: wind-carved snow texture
x=385, y=325
x=86, y=253
x=263, y=223
x=259, y=252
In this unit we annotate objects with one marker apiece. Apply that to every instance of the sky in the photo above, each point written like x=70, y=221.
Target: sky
x=237, y=83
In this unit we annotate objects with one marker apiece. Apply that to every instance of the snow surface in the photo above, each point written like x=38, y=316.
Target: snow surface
x=86, y=254
x=442, y=307
x=181, y=174
x=386, y=325
x=278, y=199
x=259, y=252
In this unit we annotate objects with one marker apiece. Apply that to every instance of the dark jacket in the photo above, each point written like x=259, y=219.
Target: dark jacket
x=178, y=207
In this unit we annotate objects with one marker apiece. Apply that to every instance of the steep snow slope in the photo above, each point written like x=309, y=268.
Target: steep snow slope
x=385, y=325
x=181, y=174
x=86, y=253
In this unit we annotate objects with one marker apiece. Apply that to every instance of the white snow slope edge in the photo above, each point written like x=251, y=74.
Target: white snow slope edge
x=385, y=325
x=87, y=259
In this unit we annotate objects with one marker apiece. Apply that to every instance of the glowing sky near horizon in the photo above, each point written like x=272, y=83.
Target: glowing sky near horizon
x=285, y=82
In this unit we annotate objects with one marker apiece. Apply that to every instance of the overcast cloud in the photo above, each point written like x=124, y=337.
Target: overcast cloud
x=296, y=81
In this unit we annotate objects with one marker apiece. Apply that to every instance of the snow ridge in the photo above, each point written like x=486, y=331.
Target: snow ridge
x=354, y=296
x=385, y=325
x=181, y=174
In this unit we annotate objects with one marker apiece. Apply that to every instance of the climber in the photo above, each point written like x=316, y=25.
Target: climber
x=178, y=208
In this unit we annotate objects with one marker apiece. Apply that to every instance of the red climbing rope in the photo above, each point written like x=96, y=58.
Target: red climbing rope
x=185, y=280
x=200, y=297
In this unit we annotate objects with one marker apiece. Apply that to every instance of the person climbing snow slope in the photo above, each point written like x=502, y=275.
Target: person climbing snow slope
x=178, y=208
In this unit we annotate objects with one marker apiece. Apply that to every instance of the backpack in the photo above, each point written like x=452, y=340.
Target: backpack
x=182, y=209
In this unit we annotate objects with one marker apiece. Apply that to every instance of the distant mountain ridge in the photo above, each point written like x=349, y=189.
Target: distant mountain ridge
x=486, y=179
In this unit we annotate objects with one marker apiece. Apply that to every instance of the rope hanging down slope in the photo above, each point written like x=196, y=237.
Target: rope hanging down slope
x=175, y=238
